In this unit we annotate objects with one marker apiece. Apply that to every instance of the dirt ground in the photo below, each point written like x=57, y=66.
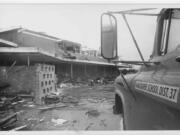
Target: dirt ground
x=91, y=109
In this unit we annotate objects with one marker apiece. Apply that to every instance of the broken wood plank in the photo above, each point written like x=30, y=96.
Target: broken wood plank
x=51, y=107
x=19, y=128
x=8, y=121
x=25, y=96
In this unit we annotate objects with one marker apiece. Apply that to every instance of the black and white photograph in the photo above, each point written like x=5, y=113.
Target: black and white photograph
x=89, y=67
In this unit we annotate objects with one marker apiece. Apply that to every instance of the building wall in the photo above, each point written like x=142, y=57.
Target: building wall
x=20, y=78
x=63, y=72
x=90, y=52
x=29, y=40
x=71, y=46
x=38, y=80
x=84, y=71
x=10, y=36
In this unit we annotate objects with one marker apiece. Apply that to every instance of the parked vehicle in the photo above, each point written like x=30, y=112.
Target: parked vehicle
x=148, y=99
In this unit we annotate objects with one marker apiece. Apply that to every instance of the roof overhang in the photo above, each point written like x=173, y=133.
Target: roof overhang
x=36, y=55
x=24, y=54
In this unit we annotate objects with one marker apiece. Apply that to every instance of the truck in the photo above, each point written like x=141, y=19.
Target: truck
x=148, y=99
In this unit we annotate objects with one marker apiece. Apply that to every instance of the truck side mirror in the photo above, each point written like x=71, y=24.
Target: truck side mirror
x=108, y=36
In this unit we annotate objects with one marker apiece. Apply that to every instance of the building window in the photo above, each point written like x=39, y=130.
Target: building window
x=174, y=40
x=46, y=68
x=166, y=20
x=44, y=91
x=47, y=90
x=42, y=84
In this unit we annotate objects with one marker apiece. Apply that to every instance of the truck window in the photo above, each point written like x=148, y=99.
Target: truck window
x=164, y=35
x=174, y=33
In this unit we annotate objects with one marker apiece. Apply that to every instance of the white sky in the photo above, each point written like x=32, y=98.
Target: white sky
x=81, y=23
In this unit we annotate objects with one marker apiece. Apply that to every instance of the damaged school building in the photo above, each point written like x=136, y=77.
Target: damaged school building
x=34, y=63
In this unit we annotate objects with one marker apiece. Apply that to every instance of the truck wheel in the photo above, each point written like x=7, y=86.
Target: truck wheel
x=117, y=108
x=115, y=111
x=122, y=126
x=121, y=123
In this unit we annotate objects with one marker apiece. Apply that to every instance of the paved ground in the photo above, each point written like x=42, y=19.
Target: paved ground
x=92, y=110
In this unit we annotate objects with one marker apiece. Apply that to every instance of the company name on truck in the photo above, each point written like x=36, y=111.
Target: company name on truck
x=163, y=91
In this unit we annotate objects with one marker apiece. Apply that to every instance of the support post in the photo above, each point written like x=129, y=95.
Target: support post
x=104, y=71
x=71, y=71
x=28, y=61
x=85, y=71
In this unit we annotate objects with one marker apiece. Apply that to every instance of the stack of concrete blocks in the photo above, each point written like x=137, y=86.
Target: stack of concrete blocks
x=45, y=81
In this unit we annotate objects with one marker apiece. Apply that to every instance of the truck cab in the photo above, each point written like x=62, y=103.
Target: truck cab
x=150, y=98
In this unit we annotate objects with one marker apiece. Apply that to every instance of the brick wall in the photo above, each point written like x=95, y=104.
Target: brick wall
x=37, y=80
x=21, y=78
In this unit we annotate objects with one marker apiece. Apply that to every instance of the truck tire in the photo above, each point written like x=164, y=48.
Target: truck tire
x=118, y=107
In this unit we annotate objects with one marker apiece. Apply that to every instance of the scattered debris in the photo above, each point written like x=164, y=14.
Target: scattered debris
x=8, y=121
x=21, y=101
x=20, y=113
x=41, y=120
x=5, y=104
x=3, y=85
x=91, y=83
x=31, y=105
x=31, y=119
x=16, y=99
x=63, y=85
x=51, y=107
x=92, y=113
x=25, y=96
x=8, y=103
x=100, y=80
x=96, y=100
x=69, y=99
x=103, y=123
x=89, y=126
x=36, y=118
x=51, y=99
x=19, y=128
x=59, y=121
x=74, y=121
x=92, y=100
x=69, y=56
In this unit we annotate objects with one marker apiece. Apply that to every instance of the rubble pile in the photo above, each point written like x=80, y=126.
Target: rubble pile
x=8, y=113
x=13, y=105
x=57, y=98
x=71, y=83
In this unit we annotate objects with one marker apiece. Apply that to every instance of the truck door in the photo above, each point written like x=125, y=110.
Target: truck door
x=157, y=87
